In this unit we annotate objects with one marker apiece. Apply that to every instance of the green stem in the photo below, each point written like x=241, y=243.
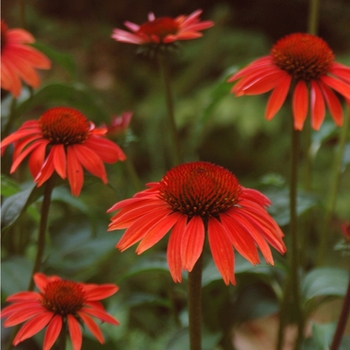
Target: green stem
x=283, y=314
x=63, y=337
x=294, y=253
x=49, y=185
x=195, y=305
x=344, y=316
x=333, y=189
x=314, y=7
x=170, y=110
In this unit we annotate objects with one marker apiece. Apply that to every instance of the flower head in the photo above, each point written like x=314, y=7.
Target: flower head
x=192, y=200
x=59, y=303
x=305, y=64
x=19, y=60
x=118, y=124
x=163, y=30
x=63, y=140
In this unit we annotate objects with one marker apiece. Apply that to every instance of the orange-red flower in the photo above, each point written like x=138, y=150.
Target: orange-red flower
x=163, y=30
x=194, y=200
x=58, y=304
x=63, y=140
x=304, y=64
x=19, y=60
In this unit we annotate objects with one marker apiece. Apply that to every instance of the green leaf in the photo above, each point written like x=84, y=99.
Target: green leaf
x=9, y=187
x=14, y=206
x=323, y=282
x=75, y=95
x=150, y=263
x=63, y=59
x=16, y=271
x=322, y=336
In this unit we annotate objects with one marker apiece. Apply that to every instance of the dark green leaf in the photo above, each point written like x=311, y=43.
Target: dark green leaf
x=324, y=281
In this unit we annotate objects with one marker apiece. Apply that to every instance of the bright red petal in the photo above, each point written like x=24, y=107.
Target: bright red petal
x=59, y=160
x=33, y=326
x=102, y=315
x=277, y=97
x=300, y=104
x=90, y=161
x=157, y=232
x=93, y=327
x=75, y=172
x=52, y=332
x=222, y=251
x=75, y=332
x=337, y=85
x=318, y=109
x=102, y=291
x=192, y=242
x=174, y=249
x=244, y=243
x=333, y=104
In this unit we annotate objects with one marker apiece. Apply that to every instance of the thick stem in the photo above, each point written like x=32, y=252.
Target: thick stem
x=344, y=317
x=175, y=147
x=333, y=189
x=63, y=337
x=195, y=305
x=294, y=253
x=314, y=6
x=49, y=185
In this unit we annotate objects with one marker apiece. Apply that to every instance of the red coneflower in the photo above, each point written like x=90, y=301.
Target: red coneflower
x=59, y=304
x=163, y=30
x=304, y=63
x=118, y=124
x=63, y=140
x=192, y=200
x=19, y=60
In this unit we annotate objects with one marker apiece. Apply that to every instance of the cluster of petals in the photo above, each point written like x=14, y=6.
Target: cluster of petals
x=119, y=124
x=36, y=309
x=244, y=226
x=163, y=29
x=19, y=60
x=67, y=159
x=303, y=64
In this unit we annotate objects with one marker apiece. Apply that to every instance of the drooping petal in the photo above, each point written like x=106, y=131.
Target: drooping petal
x=318, y=109
x=23, y=314
x=337, y=85
x=138, y=229
x=92, y=326
x=192, y=243
x=59, y=160
x=101, y=291
x=102, y=315
x=46, y=170
x=74, y=332
x=244, y=244
x=300, y=104
x=277, y=97
x=157, y=232
x=90, y=161
x=52, y=332
x=221, y=250
x=33, y=326
x=37, y=158
x=174, y=249
x=333, y=104
x=107, y=150
x=75, y=172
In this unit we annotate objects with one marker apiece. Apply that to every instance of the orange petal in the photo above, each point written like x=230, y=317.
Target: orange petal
x=221, y=250
x=300, y=104
x=52, y=332
x=318, y=109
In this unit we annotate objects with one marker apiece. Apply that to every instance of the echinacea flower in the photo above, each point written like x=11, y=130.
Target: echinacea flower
x=163, y=30
x=19, y=60
x=304, y=64
x=59, y=304
x=194, y=200
x=63, y=140
x=118, y=124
